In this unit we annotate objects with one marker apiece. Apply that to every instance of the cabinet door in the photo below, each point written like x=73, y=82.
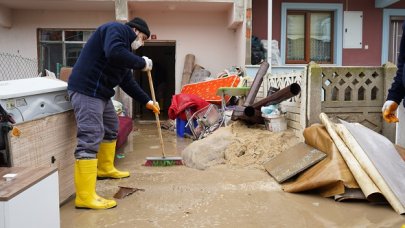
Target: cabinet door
x=353, y=29
x=38, y=205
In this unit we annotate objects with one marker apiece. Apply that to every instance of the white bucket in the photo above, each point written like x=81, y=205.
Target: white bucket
x=275, y=123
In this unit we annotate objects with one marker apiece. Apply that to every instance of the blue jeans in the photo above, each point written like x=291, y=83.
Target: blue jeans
x=96, y=121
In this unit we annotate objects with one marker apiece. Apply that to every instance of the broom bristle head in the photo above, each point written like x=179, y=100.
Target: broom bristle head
x=161, y=162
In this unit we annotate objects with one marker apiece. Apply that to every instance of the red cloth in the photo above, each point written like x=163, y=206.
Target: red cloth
x=182, y=101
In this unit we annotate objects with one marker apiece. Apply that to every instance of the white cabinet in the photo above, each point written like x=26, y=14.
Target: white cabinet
x=31, y=199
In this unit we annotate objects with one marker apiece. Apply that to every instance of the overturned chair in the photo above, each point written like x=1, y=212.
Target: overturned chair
x=204, y=121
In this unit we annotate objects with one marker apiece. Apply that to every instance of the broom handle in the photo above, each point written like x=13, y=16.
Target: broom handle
x=152, y=91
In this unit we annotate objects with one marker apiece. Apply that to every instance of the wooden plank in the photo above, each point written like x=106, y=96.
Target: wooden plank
x=187, y=69
x=294, y=125
x=293, y=161
x=293, y=116
x=386, y=160
x=294, y=109
x=365, y=104
x=349, y=109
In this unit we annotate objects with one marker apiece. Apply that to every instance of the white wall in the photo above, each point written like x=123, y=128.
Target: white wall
x=21, y=38
x=204, y=34
x=241, y=43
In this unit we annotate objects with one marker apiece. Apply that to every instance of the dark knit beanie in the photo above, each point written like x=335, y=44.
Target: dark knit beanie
x=139, y=24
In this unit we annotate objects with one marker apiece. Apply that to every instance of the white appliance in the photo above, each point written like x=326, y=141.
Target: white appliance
x=32, y=98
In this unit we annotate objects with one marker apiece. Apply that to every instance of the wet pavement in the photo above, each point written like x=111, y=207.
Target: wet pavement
x=221, y=196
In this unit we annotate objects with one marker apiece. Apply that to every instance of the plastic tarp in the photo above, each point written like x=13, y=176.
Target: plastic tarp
x=181, y=102
x=331, y=176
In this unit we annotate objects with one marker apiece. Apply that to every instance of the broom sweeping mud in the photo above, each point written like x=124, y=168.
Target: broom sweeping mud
x=160, y=161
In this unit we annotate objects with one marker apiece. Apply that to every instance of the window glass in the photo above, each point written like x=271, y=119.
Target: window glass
x=72, y=53
x=51, y=35
x=309, y=37
x=320, y=37
x=59, y=48
x=73, y=35
x=295, y=37
x=87, y=34
x=51, y=57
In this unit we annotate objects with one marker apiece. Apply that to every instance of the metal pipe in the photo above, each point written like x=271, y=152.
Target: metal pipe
x=257, y=81
x=275, y=98
x=279, y=96
x=238, y=113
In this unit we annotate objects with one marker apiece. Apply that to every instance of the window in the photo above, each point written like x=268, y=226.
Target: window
x=58, y=47
x=309, y=37
x=395, y=38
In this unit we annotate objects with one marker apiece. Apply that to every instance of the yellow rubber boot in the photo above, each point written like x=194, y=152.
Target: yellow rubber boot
x=105, y=167
x=85, y=184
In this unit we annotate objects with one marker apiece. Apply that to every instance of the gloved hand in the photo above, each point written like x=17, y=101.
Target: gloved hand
x=388, y=111
x=154, y=107
x=148, y=65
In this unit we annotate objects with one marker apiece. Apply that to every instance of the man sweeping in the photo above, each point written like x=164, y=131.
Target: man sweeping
x=105, y=62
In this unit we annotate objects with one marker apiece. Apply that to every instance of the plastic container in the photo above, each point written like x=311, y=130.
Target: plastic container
x=181, y=128
x=275, y=123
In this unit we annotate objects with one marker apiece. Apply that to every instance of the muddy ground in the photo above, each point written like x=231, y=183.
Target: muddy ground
x=233, y=194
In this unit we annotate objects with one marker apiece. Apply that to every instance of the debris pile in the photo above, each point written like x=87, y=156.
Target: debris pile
x=238, y=144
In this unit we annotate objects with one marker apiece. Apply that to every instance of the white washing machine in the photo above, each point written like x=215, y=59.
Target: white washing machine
x=32, y=98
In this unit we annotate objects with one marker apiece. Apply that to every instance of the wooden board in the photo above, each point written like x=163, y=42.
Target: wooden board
x=187, y=69
x=293, y=161
x=384, y=157
x=47, y=142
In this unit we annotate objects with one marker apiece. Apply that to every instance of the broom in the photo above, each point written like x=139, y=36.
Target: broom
x=160, y=161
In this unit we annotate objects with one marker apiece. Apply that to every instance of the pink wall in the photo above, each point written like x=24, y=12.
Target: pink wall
x=21, y=38
x=204, y=34
x=372, y=27
x=372, y=35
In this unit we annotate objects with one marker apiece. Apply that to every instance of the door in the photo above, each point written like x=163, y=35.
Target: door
x=162, y=54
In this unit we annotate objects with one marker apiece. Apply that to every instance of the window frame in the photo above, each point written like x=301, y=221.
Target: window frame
x=337, y=10
x=307, y=36
x=387, y=14
x=63, y=42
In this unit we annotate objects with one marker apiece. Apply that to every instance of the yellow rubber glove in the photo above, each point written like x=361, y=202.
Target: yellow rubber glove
x=154, y=107
x=388, y=110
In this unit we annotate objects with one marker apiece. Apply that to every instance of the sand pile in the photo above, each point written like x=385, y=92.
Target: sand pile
x=238, y=145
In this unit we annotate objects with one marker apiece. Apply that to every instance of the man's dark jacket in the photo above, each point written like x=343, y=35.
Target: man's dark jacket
x=105, y=62
x=397, y=91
